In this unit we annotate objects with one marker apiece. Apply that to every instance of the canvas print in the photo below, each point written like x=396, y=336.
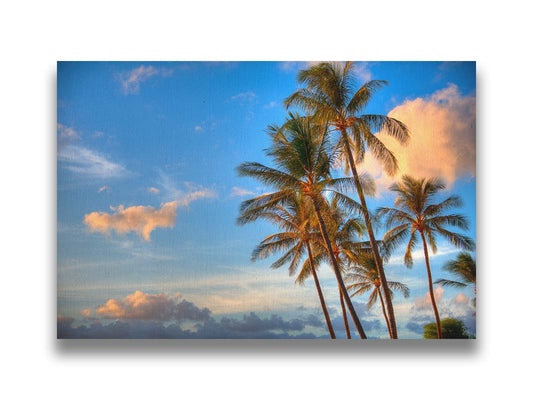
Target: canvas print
x=266, y=200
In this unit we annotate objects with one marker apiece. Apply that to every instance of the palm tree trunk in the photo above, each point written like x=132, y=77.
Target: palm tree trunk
x=319, y=290
x=383, y=309
x=430, y=283
x=373, y=243
x=336, y=270
x=344, y=316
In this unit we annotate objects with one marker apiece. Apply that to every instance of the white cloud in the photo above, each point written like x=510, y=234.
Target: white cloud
x=153, y=190
x=184, y=196
x=131, y=80
x=245, y=96
x=198, y=128
x=104, y=188
x=140, y=219
x=240, y=192
x=424, y=302
x=442, y=142
x=84, y=161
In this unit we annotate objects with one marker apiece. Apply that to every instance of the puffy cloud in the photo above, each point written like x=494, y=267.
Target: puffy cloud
x=153, y=190
x=86, y=312
x=443, y=138
x=461, y=299
x=424, y=302
x=240, y=192
x=157, y=307
x=131, y=80
x=87, y=162
x=140, y=219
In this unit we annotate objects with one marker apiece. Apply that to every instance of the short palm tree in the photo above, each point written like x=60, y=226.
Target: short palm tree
x=464, y=268
x=294, y=220
x=415, y=215
x=364, y=275
x=330, y=96
x=302, y=154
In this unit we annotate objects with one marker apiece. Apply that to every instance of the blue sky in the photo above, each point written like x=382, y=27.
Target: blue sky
x=145, y=134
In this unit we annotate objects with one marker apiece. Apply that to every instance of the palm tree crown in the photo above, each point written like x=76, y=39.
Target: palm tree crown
x=330, y=95
x=464, y=268
x=415, y=213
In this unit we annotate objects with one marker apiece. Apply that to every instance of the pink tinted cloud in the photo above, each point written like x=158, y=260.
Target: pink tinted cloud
x=161, y=307
x=140, y=219
x=442, y=142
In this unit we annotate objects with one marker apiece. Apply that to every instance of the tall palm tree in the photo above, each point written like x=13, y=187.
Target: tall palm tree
x=365, y=277
x=294, y=239
x=330, y=96
x=301, y=152
x=415, y=215
x=464, y=268
x=344, y=230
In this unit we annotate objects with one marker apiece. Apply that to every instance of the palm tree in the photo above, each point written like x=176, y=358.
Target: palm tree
x=365, y=276
x=464, y=268
x=415, y=215
x=342, y=230
x=302, y=155
x=330, y=96
x=294, y=221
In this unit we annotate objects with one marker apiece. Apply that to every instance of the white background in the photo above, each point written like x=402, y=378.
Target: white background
x=36, y=34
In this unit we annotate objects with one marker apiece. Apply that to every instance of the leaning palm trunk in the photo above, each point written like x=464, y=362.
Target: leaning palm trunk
x=344, y=316
x=373, y=243
x=383, y=309
x=336, y=270
x=430, y=284
x=319, y=290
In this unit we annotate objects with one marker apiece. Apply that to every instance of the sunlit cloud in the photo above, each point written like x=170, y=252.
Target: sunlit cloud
x=157, y=307
x=444, y=122
x=153, y=190
x=140, y=219
x=131, y=80
x=87, y=162
x=86, y=312
x=424, y=302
